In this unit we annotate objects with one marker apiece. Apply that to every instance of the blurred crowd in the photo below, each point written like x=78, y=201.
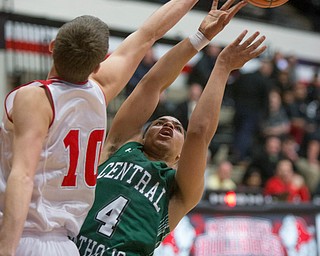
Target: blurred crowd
x=268, y=139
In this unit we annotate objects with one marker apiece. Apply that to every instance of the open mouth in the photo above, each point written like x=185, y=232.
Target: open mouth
x=166, y=132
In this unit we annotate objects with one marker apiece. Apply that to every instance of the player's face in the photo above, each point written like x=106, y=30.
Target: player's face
x=168, y=132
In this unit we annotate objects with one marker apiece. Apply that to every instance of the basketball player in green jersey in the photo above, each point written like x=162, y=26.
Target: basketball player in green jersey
x=149, y=180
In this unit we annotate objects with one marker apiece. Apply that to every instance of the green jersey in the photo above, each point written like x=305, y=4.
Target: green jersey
x=129, y=216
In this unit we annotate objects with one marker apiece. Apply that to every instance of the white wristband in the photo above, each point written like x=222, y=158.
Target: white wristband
x=198, y=40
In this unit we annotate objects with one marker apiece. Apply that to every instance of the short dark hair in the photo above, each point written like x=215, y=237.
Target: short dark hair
x=80, y=46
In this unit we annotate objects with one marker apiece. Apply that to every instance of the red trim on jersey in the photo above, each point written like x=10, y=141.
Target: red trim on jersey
x=46, y=84
x=56, y=78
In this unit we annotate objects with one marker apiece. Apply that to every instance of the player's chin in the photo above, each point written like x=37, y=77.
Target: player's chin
x=164, y=143
x=164, y=137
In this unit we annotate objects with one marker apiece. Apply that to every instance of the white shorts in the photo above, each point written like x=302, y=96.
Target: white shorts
x=46, y=244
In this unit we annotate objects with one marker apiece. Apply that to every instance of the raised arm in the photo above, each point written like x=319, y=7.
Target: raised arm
x=139, y=106
x=203, y=124
x=118, y=68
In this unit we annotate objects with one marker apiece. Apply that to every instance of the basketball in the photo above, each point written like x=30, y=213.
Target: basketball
x=267, y=3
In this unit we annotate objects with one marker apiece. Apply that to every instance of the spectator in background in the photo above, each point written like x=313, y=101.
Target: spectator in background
x=314, y=87
x=317, y=191
x=312, y=162
x=310, y=145
x=164, y=107
x=283, y=83
x=201, y=70
x=251, y=181
x=146, y=64
x=292, y=68
x=308, y=168
x=290, y=149
x=276, y=122
x=250, y=95
x=265, y=160
x=280, y=63
x=286, y=185
x=184, y=109
x=287, y=100
x=221, y=178
x=297, y=112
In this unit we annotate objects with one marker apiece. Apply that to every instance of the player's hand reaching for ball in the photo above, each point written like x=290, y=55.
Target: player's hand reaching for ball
x=236, y=54
x=216, y=19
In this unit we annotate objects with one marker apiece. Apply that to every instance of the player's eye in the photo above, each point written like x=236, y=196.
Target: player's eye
x=179, y=128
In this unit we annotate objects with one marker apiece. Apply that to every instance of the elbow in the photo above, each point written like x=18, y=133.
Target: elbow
x=24, y=181
x=191, y=201
x=27, y=181
x=201, y=131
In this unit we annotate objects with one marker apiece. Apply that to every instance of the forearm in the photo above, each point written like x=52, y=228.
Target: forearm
x=166, y=17
x=17, y=199
x=168, y=68
x=201, y=128
x=159, y=78
x=205, y=116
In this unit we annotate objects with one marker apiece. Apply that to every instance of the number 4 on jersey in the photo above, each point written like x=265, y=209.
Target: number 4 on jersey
x=110, y=216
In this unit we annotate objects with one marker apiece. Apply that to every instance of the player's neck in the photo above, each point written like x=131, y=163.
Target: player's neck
x=52, y=73
x=159, y=157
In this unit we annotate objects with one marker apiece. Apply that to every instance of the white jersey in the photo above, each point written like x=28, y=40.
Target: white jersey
x=66, y=173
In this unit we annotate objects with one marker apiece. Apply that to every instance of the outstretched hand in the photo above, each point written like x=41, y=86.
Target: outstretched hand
x=236, y=54
x=216, y=19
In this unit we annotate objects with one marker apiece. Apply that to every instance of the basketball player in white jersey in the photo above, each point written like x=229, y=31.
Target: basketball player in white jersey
x=52, y=132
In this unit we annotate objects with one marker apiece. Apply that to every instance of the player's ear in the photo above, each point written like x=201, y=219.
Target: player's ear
x=51, y=45
x=177, y=160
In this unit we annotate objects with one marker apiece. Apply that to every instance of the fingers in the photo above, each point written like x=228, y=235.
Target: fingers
x=259, y=51
x=257, y=43
x=249, y=41
x=239, y=39
x=214, y=5
x=252, y=44
x=255, y=49
x=227, y=5
x=235, y=9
